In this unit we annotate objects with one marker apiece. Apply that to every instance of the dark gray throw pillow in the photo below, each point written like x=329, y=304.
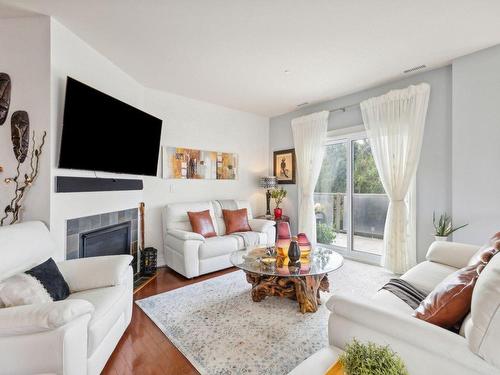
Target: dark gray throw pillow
x=51, y=278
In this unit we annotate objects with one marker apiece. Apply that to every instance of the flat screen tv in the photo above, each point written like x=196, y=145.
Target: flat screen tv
x=101, y=133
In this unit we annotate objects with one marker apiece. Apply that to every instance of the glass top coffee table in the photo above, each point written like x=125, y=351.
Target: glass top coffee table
x=272, y=274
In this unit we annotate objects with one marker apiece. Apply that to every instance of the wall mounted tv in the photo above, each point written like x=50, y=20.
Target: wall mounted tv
x=101, y=133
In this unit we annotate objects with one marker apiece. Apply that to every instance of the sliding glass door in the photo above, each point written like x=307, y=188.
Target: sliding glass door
x=350, y=201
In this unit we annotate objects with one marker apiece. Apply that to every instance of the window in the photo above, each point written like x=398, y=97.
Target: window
x=350, y=201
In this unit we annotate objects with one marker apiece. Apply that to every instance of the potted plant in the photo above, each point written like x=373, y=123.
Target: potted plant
x=278, y=194
x=325, y=234
x=367, y=359
x=444, y=227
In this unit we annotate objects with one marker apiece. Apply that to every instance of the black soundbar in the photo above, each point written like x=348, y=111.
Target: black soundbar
x=67, y=184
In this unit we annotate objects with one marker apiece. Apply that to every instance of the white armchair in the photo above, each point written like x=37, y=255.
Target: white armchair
x=424, y=347
x=191, y=254
x=73, y=336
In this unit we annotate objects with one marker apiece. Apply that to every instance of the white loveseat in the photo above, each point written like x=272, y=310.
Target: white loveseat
x=424, y=347
x=73, y=336
x=191, y=254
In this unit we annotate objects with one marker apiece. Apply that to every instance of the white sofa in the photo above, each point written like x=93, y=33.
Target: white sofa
x=73, y=336
x=190, y=254
x=424, y=347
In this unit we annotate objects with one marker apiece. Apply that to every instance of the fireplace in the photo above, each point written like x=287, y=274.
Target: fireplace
x=112, y=240
x=103, y=234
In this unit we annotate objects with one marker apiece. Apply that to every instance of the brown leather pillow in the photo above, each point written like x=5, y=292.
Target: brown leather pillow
x=236, y=221
x=493, y=243
x=201, y=222
x=450, y=301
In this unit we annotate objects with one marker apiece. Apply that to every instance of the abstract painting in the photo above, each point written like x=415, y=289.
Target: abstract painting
x=186, y=163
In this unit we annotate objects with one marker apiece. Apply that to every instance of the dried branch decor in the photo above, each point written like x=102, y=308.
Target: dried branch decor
x=22, y=182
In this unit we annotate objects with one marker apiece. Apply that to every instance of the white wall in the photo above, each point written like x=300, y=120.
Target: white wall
x=71, y=56
x=186, y=122
x=434, y=172
x=25, y=57
x=476, y=145
x=195, y=124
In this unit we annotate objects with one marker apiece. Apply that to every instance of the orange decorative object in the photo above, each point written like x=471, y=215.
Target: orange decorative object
x=305, y=246
x=282, y=247
x=304, y=255
x=335, y=369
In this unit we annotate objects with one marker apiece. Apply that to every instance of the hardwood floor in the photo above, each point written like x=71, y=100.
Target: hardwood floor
x=144, y=349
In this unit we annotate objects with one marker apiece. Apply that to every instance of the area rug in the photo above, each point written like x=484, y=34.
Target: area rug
x=220, y=330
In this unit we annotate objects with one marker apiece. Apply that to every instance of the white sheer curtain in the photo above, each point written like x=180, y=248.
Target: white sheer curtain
x=395, y=125
x=309, y=135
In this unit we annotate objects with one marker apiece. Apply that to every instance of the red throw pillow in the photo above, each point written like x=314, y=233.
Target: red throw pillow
x=236, y=221
x=450, y=301
x=201, y=222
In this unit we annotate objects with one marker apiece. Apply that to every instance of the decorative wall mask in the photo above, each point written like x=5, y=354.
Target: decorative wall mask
x=5, y=86
x=20, y=134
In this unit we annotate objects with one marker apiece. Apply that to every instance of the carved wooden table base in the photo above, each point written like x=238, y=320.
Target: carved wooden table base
x=304, y=289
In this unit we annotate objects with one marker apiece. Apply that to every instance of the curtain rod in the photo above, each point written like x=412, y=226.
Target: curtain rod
x=345, y=108
x=340, y=109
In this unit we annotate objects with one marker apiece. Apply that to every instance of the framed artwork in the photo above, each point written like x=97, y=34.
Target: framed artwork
x=186, y=163
x=284, y=166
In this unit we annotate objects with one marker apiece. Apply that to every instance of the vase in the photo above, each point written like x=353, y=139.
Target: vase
x=294, y=251
x=441, y=238
x=278, y=213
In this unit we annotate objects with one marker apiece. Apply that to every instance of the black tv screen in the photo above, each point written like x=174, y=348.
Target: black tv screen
x=101, y=133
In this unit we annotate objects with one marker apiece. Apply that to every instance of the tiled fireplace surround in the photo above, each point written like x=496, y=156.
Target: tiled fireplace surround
x=77, y=227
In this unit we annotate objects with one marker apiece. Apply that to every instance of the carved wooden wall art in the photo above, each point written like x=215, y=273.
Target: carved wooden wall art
x=5, y=86
x=20, y=134
x=22, y=181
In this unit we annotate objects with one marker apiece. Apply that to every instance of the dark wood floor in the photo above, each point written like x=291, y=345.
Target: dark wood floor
x=144, y=349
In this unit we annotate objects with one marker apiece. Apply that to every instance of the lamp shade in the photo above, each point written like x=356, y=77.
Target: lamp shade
x=268, y=182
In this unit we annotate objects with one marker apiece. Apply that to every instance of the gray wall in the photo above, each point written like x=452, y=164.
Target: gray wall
x=476, y=145
x=434, y=172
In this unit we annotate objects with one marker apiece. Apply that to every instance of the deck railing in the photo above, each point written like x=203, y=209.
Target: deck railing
x=369, y=212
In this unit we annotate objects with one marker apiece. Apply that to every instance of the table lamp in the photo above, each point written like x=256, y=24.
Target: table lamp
x=268, y=183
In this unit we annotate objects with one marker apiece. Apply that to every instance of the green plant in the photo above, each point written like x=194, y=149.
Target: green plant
x=278, y=194
x=444, y=226
x=371, y=359
x=325, y=233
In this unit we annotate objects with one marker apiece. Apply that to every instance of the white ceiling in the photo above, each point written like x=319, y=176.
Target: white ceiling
x=7, y=11
x=234, y=52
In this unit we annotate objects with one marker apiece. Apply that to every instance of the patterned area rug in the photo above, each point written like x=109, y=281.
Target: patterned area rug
x=220, y=330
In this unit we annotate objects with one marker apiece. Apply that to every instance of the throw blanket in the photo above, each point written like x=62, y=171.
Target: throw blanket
x=249, y=238
x=405, y=291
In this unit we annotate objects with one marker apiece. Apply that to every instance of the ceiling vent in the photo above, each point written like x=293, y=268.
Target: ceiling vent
x=414, y=69
x=302, y=104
